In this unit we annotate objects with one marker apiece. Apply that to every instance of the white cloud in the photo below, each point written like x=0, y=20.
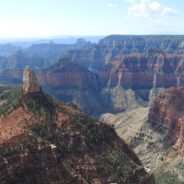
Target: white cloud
x=148, y=9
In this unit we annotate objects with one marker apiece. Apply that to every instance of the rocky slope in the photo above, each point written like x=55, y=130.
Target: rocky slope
x=156, y=134
x=127, y=124
x=45, y=141
x=151, y=143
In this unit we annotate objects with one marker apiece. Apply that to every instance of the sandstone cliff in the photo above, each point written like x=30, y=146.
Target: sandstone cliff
x=167, y=110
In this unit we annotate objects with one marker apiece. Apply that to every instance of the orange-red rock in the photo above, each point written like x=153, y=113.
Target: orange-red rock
x=168, y=110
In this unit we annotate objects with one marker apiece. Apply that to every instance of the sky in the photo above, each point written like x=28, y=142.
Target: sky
x=46, y=18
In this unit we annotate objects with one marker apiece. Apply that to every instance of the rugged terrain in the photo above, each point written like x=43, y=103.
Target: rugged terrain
x=119, y=76
x=45, y=141
x=155, y=133
x=119, y=73
x=167, y=111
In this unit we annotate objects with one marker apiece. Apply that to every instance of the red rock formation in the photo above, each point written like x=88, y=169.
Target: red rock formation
x=138, y=70
x=168, y=110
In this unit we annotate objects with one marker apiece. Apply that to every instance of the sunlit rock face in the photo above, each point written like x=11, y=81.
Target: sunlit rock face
x=167, y=111
x=30, y=82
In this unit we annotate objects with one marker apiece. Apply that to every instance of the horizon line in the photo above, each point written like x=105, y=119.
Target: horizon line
x=28, y=38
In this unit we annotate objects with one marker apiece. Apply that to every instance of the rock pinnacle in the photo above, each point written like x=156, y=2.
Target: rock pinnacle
x=30, y=82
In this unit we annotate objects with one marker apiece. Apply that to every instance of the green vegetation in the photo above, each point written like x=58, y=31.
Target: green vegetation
x=87, y=135
x=12, y=98
x=83, y=135
x=116, y=164
x=6, y=91
x=167, y=178
x=27, y=144
x=12, y=102
x=38, y=103
x=37, y=128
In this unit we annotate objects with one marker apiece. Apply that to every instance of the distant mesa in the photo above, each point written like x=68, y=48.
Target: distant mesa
x=30, y=81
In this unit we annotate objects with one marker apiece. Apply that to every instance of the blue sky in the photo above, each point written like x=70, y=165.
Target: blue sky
x=43, y=18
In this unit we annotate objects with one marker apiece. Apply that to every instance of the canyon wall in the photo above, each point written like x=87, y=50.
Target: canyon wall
x=118, y=73
x=167, y=110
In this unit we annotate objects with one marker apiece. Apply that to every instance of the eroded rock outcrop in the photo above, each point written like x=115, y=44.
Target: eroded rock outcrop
x=167, y=110
x=30, y=82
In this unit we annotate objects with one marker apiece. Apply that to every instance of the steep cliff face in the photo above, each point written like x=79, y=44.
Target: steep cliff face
x=118, y=45
x=45, y=141
x=144, y=65
x=85, y=88
x=72, y=83
x=167, y=111
x=142, y=76
x=141, y=71
x=136, y=62
x=142, y=44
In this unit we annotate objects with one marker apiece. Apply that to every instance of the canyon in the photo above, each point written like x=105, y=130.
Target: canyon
x=133, y=84
x=117, y=74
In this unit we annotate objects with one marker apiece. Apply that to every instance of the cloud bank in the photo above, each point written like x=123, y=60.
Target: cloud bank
x=148, y=9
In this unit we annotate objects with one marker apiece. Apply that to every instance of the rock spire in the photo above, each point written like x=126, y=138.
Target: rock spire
x=30, y=82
